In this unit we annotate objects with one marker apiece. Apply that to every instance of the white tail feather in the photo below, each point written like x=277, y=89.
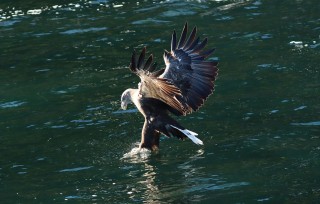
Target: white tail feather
x=191, y=135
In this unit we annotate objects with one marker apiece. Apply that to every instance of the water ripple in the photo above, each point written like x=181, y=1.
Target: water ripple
x=148, y=21
x=300, y=108
x=34, y=12
x=76, y=169
x=76, y=31
x=214, y=187
x=314, y=123
x=12, y=104
x=178, y=12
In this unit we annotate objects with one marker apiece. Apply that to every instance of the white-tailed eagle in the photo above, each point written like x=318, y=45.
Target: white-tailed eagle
x=180, y=88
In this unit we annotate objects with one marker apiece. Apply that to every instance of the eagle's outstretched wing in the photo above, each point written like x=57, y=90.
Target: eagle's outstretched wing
x=188, y=69
x=188, y=78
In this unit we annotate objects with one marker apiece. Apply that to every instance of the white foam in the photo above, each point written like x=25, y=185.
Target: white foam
x=137, y=155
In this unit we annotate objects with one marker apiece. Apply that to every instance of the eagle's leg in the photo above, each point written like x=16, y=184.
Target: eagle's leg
x=149, y=136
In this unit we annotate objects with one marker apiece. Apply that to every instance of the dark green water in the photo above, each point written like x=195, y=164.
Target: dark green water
x=63, y=138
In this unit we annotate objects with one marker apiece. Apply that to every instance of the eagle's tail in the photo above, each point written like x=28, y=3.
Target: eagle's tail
x=191, y=135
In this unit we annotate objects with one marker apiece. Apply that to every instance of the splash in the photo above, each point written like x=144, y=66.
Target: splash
x=137, y=155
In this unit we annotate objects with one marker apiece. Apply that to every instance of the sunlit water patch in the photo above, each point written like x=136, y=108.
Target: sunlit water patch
x=227, y=6
x=75, y=169
x=273, y=111
x=216, y=187
x=10, y=13
x=85, y=30
x=178, y=12
x=225, y=18
x=149, y=21
x=314, y=123
x=300, y=108
x=12, y=104
x=19, y=169
x=301, y=44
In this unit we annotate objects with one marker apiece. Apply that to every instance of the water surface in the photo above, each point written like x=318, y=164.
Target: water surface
x=64, y=65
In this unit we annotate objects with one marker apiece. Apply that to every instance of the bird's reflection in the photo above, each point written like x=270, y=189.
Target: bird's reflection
x=146, y=187
x=148, y=175
x=152, y=192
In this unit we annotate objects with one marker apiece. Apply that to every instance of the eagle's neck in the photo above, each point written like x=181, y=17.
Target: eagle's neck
x=136, y=98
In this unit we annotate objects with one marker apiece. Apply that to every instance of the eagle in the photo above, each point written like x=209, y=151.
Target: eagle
x=179, y=89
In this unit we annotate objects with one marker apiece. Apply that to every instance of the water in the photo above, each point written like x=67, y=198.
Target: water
x=63, y=67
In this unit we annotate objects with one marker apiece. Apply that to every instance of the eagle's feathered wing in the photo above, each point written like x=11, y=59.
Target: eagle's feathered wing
x=188, y=78
x=188, y=69
x=151, y=85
